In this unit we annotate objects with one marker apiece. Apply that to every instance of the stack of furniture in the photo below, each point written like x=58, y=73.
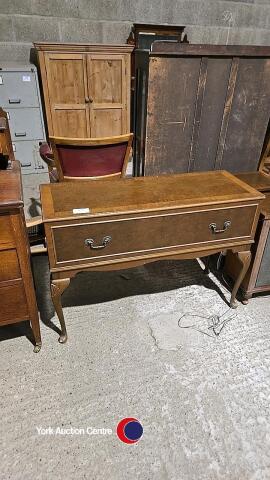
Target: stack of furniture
x=257, y=279
x=86, y=89
x=196, y=108
x=208, y=108
x=20, y=97
x=18, y=301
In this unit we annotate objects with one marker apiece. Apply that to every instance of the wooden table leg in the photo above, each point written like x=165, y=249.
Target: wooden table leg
x=246, y=298
x=207, y=264
x=57, y=288
x=34, y=321
x=244, y=258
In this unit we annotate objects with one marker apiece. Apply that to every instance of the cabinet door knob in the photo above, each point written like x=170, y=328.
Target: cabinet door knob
x=88, y=100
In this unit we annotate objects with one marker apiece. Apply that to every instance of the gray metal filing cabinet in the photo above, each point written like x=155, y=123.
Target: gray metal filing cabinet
x=20, y=98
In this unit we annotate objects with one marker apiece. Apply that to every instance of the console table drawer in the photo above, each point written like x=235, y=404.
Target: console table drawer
x=145, y=234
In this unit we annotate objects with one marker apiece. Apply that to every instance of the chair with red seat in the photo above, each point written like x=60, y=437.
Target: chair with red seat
x=91, y=158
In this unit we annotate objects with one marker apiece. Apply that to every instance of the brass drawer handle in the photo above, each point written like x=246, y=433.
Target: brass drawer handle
x=213, y=227
x=89, y=242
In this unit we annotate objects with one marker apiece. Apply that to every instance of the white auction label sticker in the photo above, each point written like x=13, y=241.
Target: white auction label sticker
x=26, y=78
x=81, y=210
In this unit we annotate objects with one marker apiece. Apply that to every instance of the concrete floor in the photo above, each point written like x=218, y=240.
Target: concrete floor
x=140, y=344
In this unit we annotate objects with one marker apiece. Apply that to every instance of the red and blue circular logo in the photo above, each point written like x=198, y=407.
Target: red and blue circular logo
x=129, y=430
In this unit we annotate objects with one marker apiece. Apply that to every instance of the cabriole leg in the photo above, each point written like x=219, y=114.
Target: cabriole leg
x=207, y=263
x=246, y=298
x=57, y=288
x=244, y=258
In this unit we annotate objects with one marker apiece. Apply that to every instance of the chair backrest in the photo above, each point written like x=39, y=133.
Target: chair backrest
x=91, y=158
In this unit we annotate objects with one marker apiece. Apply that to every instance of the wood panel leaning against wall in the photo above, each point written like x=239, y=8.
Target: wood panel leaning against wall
x=86, y=89
x=208, y=107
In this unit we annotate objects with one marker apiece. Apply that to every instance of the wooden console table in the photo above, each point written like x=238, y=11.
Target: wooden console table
x=139, y=220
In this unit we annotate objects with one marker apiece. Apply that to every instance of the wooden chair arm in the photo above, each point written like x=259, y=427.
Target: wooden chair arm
x=46, y=154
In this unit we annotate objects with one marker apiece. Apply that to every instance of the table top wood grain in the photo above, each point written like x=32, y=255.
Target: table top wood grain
x=142, y=194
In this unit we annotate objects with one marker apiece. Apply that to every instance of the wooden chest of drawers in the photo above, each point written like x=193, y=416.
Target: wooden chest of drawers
x=144, y=219
x=17, y=294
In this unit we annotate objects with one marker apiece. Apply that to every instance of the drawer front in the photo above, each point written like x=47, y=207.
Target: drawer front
x=25, y=124
x=9, y=265
x=145, y=235
x=18, y=89
x=28, y=155
x=13, y=304
x=6, y=231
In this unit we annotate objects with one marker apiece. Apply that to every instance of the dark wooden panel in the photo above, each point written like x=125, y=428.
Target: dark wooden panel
x=185, y=49
x=208, y=123
x=248, y=117
x=208, y=108
x=173, y=86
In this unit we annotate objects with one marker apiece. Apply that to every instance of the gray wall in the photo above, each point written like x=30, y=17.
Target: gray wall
x=99, y=21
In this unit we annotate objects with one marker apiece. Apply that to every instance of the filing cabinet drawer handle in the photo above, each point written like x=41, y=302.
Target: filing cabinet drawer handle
x=20, y=134
x=89, y=242
x=214, y=229
x=14, y=100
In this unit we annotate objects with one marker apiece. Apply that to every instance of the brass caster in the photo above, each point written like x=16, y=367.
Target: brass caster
x=234, y=304
x=37, y=348
x=245, y=301
x=62, y=338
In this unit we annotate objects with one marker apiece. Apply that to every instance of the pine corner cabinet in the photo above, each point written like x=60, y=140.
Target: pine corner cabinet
x=86, y=88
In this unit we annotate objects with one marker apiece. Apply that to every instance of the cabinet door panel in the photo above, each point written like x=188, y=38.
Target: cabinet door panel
x=71, y=123
x=107, y=84
x=106, y=80
x=67, y=85
x=107, y=122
